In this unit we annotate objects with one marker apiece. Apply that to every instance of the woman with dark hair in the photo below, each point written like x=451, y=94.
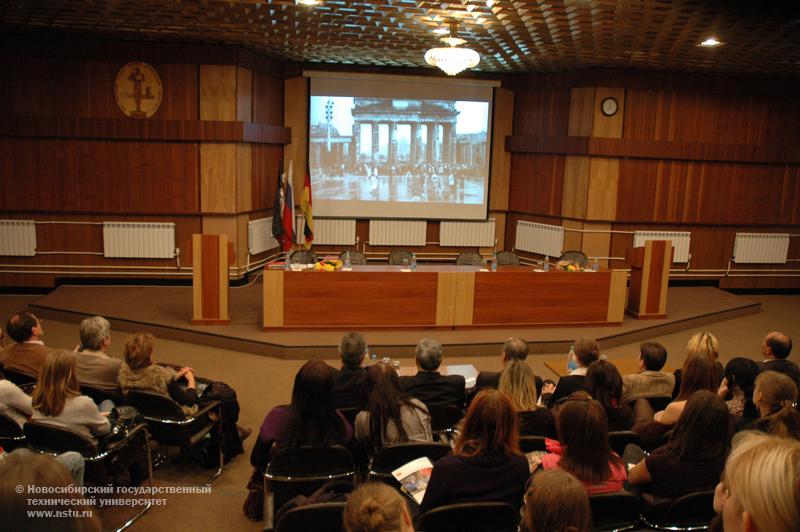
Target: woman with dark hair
x=604, y=384
x=694, y=457
x=775, y=396
x=699, y=372
x=587, y=351
x=309, y=419
x=737, y=390
x=391, y=415
x=486, y=464
x=583, y=447
x=518, y=382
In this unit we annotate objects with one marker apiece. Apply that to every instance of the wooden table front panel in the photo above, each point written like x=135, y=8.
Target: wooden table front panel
x=388, y=298
x=528, y=297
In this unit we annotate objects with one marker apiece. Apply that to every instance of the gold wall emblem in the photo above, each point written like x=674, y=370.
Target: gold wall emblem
x=138, y=90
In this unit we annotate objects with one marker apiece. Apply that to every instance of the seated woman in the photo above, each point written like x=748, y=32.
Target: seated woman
x=140, y=373
x=486, y=464
x=392, y=416
x=604, y=384
x=587, y=351
x=703, y=343
x=14, y=403
x=695, y=455
x=557, y=502
x=775, y=397
x=519, y=384
x=583, y=448
x=758, y=491
x=737, y=390
x=376, y=507
x=57, y=398
x=700, y=372
x=309, y=419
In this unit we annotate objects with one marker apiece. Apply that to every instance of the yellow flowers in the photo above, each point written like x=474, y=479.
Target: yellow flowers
x=328, y=265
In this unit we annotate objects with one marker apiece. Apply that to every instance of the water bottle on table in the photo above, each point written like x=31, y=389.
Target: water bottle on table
x=546, y=264
x=494, y=262
x=347, y=261
x=572, y=361
x=413, y=261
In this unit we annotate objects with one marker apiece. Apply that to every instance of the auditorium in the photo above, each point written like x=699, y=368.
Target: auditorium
x=400, y=265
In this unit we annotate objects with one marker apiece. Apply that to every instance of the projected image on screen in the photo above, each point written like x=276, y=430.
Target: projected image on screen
x=369, y=153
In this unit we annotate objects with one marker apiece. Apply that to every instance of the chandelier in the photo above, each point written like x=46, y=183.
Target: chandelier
x=452, y=59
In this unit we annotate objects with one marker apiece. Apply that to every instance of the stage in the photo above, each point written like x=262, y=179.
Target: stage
x=166, y=310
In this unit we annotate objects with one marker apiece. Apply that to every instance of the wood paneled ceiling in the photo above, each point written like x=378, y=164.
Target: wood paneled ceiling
x=761, y=36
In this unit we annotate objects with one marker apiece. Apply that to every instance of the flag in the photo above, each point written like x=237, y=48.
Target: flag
x=277, y=209
x=305, y=206
x=288, y=211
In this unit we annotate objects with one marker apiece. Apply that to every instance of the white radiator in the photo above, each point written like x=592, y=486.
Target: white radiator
x=138, y=240
x=18, y=238
x=397, y=232
x=680, y=241
x=259, y=236
x=761, y=248
x=479, y=234
x=539, y=238
x=329, y=231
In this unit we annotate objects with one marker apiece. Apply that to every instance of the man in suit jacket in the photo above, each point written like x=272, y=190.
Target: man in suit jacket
x=347, y=381
x=95, y=368
x=650, y=382
x=428, y=385
x=776, y=348
x=28, y=353
x=514, y=348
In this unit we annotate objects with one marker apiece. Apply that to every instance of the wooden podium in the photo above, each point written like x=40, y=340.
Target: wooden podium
x=210, y=256
x=649, y=277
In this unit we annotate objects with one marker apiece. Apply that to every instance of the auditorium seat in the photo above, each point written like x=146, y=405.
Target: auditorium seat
x=302, y=256
x=390, y=458
x=397, y=257
x=320, y=517
x=693, y=511
x=579, y=257
x=615, y=511
x=356, y=257
x=471, y=517
x=507, y=258
x=469, y=258
x=444, y=419
x=532, y=443
x=11, y=435
x=618, y=440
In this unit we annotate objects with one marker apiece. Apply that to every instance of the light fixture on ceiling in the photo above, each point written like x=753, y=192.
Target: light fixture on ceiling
x=452, y=59
x=306, y=2
x=710, y=42
x=441, y=31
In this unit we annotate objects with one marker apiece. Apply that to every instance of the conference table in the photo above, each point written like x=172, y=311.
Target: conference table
x=441, y=296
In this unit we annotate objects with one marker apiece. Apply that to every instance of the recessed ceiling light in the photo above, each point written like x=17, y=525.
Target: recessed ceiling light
x=441, y=31
x=306, y=2
x=710, y=42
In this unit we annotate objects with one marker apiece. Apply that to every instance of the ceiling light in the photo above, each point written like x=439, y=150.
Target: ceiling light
x=710, y=42
x=441, y=31
x=452, y=59
x=306, y=2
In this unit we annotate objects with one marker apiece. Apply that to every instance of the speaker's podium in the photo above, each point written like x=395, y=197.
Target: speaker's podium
x=210, y=257
x=650, y=265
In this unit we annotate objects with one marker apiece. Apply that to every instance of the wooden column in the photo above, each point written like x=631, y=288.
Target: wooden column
x=649, y=278
x=211, y=255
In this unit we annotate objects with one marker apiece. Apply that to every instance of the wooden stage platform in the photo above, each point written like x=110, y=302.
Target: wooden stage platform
x=166, y=310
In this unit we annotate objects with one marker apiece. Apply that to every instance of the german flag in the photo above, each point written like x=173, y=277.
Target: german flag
x=305, y=207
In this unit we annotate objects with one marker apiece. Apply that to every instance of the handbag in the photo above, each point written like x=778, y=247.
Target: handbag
x=123, y=419
x=254, y=503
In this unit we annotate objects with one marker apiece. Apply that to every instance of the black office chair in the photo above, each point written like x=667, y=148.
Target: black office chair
x=397, y=257
x=618, y=440
x=320, y=517
x=288, y=475
x=469, y=258
x=507, y=258
x=615, y=511
x=390, y=458
x=11, y=434
x=169, y=425
x=302, y=256
x=578, y=257
x=471, y=517
x=356, y=257
x=693, y=511
x=531, y=443
x=444, y=420
x=20, y=379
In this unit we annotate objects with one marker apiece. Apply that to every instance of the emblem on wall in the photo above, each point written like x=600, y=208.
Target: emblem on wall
x=137, y=89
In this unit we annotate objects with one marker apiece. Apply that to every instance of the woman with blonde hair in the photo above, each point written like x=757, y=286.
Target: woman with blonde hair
x=775, y=397
x=557, y=502
x=519, y=384
x=704, y=344
x=57, y=398
x=376, y=507
x=760, y=488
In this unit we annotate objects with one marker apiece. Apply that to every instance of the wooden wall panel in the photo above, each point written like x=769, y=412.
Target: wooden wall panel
x=268, y=104
x=581, y=111
x=218, y=92
x=244, y=95
x=218, y=177
x=43, y=175
x=576, y=187
x=244, y=177
x=537, y=183
x=265, y=160
x=608, y=126
x=601, y=199
x=541, y=112
x=502, y=125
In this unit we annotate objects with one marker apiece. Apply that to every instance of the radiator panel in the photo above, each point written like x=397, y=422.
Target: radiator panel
x=397, y=232
x=138, y=240
x=539, y=238
x=761, y=248
x=479, y=234
x=17, y=238
x=681, y=241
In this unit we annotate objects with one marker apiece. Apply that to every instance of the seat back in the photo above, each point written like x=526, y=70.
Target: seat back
x=302, y=256
x=397, y=256
x=507, y=258
x=618, y=440
x=615, y=511
x=471, y=517
x=445, y=417
x=20, y=379
x=98, y=396
x=11, y=434
x=155, y=406
x=579, y=257
x=320, y=517
x=390, y=458
x=469, y=258
x=531, y=443
x=659, y=403
x=356, y=257
x=48, y=438
x=693, y=511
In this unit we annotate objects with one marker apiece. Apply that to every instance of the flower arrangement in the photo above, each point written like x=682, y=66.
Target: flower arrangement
x=568, y=265
x=328, y=265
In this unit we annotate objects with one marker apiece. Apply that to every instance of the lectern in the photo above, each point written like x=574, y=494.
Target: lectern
x=211, y=256
x=649, y=277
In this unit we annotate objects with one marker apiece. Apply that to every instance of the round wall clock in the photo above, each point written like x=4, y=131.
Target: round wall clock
x=609, y=106
x=138, y=90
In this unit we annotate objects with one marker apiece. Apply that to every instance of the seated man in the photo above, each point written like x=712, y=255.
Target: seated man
x=776, y=348
x=95, y=368
x=513, y=349
x=650, y=382
x=586, y=351
x=28, y=353
x=348, y=380
x=428, y=385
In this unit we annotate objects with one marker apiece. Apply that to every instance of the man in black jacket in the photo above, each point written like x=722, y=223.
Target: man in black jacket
x=776, y=348
x=347, y=381
x=428, y=385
